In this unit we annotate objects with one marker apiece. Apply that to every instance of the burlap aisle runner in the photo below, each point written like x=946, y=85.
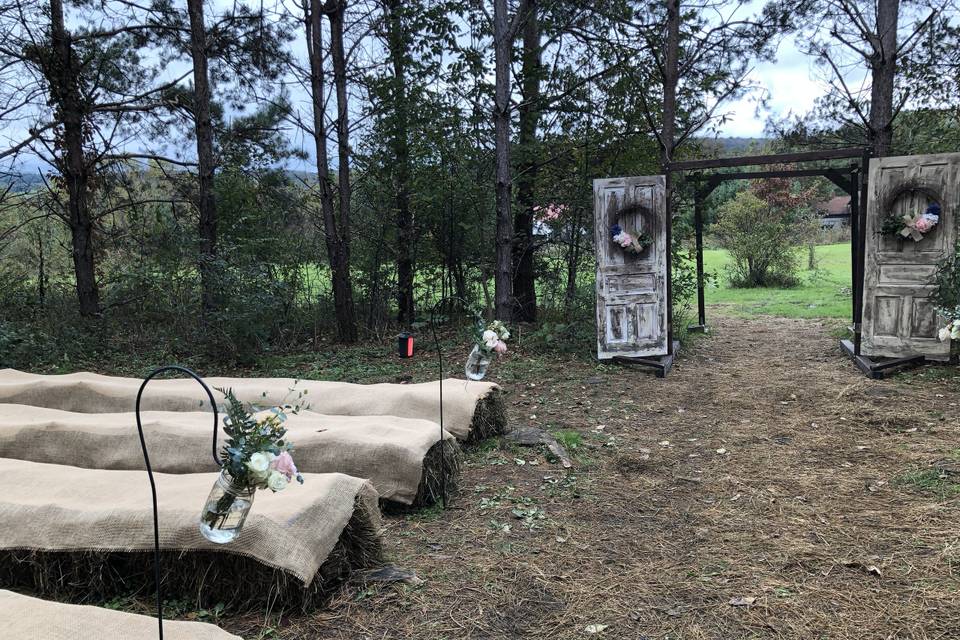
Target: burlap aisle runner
x=49, y=507
x=25, y=618
x=93, y=393
x=387, y=450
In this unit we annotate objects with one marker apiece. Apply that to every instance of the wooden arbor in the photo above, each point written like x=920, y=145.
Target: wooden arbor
x=910, y=323
x=854, y=179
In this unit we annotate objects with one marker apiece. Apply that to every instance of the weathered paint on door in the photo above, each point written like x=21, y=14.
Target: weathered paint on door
x=631, y=289
x=898, y=317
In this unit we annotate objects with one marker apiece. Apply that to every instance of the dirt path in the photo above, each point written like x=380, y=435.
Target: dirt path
x=765, y=469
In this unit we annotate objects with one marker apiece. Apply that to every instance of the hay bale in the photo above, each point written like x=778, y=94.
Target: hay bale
x=489, y=417
x=400, y=456
x=25, y=617
x=468, y=406
x=88, y=534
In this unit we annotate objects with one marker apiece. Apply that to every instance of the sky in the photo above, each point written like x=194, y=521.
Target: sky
x=790, y=85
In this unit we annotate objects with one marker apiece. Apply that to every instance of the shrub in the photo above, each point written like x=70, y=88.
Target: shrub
x=946, y=296
x=761, y=240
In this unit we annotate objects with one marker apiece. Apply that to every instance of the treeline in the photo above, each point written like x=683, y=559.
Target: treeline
x=451, y=146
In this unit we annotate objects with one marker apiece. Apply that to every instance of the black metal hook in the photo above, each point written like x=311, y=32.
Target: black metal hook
x=436, y=341
x=153, y=486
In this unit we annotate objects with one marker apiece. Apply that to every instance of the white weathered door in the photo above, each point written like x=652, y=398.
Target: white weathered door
x=898, y=318
x=631, y=288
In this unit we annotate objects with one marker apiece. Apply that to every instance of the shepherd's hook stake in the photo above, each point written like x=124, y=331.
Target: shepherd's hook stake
x=153, y=485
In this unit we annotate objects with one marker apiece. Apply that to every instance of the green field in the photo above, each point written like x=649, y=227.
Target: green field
x=823, y=293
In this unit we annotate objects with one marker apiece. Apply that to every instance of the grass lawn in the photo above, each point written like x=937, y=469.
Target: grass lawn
x=823, y=293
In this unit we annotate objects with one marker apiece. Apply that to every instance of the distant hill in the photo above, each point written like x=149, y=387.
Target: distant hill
x=23, y=181
x=733, y=146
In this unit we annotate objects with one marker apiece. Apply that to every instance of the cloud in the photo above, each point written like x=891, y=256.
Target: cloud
x=789, y=85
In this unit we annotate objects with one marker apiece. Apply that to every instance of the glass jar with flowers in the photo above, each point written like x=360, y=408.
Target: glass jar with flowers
x=255, y=456
x=489, y=340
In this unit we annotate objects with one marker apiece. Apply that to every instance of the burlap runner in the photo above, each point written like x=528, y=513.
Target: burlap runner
x=25, y=618
x=387, y=450
x=93, y=393
x=49, y=507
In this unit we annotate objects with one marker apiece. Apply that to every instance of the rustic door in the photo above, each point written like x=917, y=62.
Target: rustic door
x=631, y=288
x=898, y=317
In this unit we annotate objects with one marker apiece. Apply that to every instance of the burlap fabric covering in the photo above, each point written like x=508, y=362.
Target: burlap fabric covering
x=59, y=508
x=25, y=618
x=93, y=393
x=387, y=450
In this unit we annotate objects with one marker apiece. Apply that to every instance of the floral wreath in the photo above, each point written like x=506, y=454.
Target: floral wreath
x=914, y=226
x=630, y=240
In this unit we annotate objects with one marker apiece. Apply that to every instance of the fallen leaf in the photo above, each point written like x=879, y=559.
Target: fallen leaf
x=595, y=628
x=742, y=601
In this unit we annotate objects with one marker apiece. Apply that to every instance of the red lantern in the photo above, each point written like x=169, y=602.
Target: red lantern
x=405, y=345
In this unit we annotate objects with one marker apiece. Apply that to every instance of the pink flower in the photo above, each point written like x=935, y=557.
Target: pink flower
x=500, y=347
x=923, y=224
x=284, y=464
x=625, y=239
x=549, y=212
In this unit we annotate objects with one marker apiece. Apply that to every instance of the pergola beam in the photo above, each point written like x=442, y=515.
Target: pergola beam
x=779, y=158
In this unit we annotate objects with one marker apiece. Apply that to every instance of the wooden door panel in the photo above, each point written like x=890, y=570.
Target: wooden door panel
x=631, y=289
x=898, y=317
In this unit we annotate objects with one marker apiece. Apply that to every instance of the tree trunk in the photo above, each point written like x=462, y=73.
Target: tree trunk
x=671, y=58
x=41, y=271
x=670, y=73
x=503, y=49
x=398, y=44
x=342, y=284
x=339, y=261
x=883, y=68
x=203, y=126
x=524, y=276
x=573, y=263
x=68, y=102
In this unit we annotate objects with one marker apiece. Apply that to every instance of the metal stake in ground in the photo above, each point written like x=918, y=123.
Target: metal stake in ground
x=153, y=485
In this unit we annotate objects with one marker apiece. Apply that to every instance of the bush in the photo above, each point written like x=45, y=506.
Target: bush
x=946, y=296
x=761, y=240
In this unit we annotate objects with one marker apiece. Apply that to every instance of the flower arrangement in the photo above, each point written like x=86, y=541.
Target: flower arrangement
x=912, y=226
x=494, y=337
x=952, y=329
x=489, y=339
x=256, y=456
x=635, y=242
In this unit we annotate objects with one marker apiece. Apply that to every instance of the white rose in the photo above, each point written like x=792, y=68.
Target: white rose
x=944, y=334
x=277, y=481
x=490, y=338
x=260, y=462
